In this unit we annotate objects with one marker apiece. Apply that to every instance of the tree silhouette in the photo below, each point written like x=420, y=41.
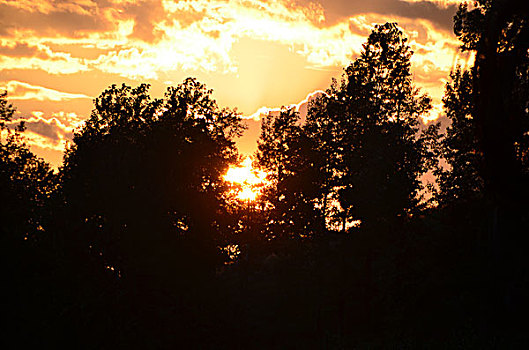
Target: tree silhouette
x=26, y=181
x=499, y=33
x=372, y=118
x=30, y=273
x=142, y=180
x=462, y=182
x=288, y=155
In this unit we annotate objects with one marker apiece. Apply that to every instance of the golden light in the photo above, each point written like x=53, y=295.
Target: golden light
x=249, y=179
x=247, y=194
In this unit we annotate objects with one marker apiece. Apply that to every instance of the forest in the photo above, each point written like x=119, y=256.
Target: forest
x=374, y=230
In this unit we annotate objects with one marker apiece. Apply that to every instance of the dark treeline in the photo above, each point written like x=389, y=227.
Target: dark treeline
x=138, y=242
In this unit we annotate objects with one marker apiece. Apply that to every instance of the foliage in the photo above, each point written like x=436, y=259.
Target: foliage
x=287, y=154
x=372, y=118
x=500, y=115
x=144, y=176
x=26, y=182
x=462, y=181
x=470, y=23
x=501, y=76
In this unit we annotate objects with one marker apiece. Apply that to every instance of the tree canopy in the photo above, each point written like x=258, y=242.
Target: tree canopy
x=498, y=32
x=369, y=126
x=288, y=154
x=144, y=175
x=462, y=182
x=26, y=181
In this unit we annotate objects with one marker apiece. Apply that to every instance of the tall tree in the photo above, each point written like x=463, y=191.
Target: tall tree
x=501, y=113
x=498, y=31
x=287, y=154
x=372, y=116
x=462, y=183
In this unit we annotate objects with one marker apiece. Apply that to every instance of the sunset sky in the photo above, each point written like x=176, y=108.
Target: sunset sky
x=57, y=55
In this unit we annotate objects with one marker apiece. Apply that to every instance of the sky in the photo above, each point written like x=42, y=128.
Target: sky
x=56, y=56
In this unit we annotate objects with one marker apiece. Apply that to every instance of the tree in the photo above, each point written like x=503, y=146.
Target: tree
x=462, y=183
x=499, y=33
x=142, y=180
x=287, y=154
x=371, y=119
x=501, y=116
x=26, y=181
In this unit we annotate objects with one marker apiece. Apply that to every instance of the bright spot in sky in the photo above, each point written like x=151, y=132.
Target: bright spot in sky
x=249, y=180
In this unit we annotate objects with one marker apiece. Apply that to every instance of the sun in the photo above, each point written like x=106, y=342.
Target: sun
x=248, y=179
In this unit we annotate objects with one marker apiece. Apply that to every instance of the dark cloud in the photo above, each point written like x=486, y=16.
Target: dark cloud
x=71, y=20
x=337, y=10
x=49, y=128
x=55, y=23
x=42, y=128
x=19, y=50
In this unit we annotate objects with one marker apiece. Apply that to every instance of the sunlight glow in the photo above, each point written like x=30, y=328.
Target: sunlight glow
x=248, y=180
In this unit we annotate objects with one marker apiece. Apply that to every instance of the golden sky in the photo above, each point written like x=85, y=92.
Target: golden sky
x=57, y=55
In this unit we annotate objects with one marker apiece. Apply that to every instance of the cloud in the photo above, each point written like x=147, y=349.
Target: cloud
x=46, y=7
x=442, y=3
x=145, y=15
x=18, y=90
x=59, y=64
x=338, y=10
x=150, y=37
x=147, y=39
x=88, y=43
x=50, y=18
x=161, y=39
x=300, y=107
x=199, y=35
x=436, y=53
x=18, y=50
x=51, y=132
x=48, y=128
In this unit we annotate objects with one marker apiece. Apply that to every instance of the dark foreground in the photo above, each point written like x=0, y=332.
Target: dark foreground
x=425, y=284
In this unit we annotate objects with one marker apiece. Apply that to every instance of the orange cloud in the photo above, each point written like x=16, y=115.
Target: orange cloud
x=145, y=39
x=18, y=90
x=202, y=43
x=45, y=7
